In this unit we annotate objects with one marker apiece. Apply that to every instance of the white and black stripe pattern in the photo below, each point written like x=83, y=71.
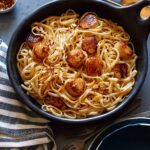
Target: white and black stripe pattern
x=20, y=127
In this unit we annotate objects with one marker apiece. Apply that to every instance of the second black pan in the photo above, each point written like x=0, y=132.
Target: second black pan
x=128, y=17
x=130, y=134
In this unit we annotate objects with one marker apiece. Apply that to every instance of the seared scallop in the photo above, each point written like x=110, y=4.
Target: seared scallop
x=75, y=58
x=88, y=21
x=75, y=87
x=40, y=50
x=124, y=50
x=120, y=70
x=32, y=39
x=93, y=66
x=54, y=101
x=89, y=44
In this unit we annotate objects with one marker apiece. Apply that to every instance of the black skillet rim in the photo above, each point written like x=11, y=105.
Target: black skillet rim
x=26, y=99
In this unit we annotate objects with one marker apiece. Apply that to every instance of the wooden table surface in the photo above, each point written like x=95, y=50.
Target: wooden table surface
x=10, y=21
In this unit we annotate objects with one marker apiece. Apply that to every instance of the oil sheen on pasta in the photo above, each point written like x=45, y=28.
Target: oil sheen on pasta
x=77, y=66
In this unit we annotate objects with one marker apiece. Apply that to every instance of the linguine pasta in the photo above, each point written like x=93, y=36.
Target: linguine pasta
x=77, y=67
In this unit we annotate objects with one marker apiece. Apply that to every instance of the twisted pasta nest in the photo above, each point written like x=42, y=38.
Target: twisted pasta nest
x=77, y=67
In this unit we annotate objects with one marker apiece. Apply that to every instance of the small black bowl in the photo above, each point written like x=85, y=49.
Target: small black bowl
x=128, y=17
x=132, y=134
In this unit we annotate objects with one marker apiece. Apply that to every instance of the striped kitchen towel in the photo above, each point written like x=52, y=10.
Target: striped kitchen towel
x=20, y=127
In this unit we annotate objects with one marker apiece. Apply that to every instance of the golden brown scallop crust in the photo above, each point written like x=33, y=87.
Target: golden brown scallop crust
x=124, y=50
x=76, y=58
x=120, y=71
x=89, y=44
x=88, y=20
x=75, y=87
x=93, y=66
x=40, y=50
x=54, y=101
x=32, y=39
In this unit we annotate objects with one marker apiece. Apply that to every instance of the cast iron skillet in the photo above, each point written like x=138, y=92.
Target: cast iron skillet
x=128, y=17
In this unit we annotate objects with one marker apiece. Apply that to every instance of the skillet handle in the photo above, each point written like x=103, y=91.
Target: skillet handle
x=134, y=11
x=134, y=14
